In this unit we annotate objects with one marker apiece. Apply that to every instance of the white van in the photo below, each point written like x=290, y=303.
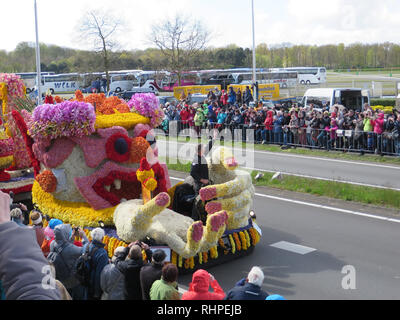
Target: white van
x=351, y=98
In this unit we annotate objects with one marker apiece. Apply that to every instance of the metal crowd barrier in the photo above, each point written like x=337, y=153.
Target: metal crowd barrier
x=387, y=144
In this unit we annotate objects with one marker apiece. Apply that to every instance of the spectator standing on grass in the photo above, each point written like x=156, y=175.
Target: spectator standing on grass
x=112, y=280
x=249, y=288
x=200, y=285
x=396, y=135
x=267, y=134
x=359, y=132
x=248, y=96
x=231, y=96
x=151, y=273
x=165, y=288
x=278, y=125
x=378, y=124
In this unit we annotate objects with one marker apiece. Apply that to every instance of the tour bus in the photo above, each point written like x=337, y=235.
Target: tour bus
x=123, y=82
x=307, y=75
x=286, y=79
x=60, y=83
x=349, y=97
x=29, y=79
x=152, y=79
x=170, y=81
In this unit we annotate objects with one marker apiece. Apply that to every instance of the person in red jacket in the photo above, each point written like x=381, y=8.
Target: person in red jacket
x=200, y=285
x=224, y=98
x=185, y=117
x=269, y=127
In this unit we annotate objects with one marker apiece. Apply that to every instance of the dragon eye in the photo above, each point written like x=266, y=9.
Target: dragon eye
x=118, y=148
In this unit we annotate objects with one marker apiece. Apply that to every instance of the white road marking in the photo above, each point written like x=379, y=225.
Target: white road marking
x=323, y=179
x=295, y=248
x=361, y=214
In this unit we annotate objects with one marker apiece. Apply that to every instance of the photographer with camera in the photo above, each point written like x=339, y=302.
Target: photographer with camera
x=63, y=255
x=131, y=266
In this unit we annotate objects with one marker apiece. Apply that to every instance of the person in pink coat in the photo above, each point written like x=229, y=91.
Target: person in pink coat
x=378, y=125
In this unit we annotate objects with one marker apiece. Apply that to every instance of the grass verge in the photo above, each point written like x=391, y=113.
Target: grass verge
x=336, y=190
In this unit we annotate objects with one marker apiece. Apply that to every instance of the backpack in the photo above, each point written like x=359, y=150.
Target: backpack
x=83, y=266
x=55, y=257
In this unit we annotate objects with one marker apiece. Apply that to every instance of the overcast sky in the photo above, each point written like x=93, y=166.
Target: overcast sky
x=299, y=22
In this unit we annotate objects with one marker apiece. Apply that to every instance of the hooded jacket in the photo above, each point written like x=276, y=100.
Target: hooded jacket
x=378, y=124
x=269, y=121
x=112, y=283
x=198, y=289
x=70, y=253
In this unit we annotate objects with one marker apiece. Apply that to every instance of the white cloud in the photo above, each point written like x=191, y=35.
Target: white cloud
x=299, y=22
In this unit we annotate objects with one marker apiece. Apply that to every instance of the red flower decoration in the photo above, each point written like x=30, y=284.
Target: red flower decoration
x=118, y=148
x=47, y=181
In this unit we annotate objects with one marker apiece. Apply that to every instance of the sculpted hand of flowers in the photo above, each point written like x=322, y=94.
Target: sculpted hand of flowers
x=230, y=205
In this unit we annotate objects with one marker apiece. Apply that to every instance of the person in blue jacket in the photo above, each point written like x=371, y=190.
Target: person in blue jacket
x=278, y=131
x=99, y=261
x=249, y=288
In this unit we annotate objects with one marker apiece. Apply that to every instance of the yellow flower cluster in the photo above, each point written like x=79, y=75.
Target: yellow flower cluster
x=112, y=244
x=214, y=253
x=239, y=241
x=74, y=213
x=125, y=120
x=6, y=162
x=143, y=175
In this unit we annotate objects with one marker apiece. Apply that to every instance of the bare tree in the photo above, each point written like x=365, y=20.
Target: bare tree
x=101, y=27
x=180, y=40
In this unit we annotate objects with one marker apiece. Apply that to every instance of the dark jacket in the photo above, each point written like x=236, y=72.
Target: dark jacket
x=23, y=266
x=99, y=261
x=69, y=254
x=148, y=275
x=131, y=270
x=112, y=283
x=248, y=291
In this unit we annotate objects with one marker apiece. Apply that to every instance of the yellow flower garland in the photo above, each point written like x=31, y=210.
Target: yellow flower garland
x=243, y=240
x=247, y=239
x=75, y=213
x=232, y=244
x=200, y=255
x=125, y=120
x=237, y=242
x=174, y=258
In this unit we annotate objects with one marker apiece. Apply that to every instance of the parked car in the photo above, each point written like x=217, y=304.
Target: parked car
x=170, y=99
x=127, y=95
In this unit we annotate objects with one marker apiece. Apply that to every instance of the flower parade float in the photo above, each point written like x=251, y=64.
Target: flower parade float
x=15, y=162
x=98, y=164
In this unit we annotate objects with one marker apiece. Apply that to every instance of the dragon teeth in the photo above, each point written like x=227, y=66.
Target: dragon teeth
x=117, y=184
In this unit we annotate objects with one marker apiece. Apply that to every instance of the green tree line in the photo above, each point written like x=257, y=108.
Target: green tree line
x=66, y=60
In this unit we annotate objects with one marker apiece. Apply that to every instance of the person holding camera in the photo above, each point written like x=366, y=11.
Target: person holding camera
x=131, y=267
x=63, y=254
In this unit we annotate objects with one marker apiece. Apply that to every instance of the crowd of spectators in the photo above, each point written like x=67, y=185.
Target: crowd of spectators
x=38, y=263
x=289, y=124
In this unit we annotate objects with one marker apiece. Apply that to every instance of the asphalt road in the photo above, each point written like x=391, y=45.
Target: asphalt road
x=364, y=173
x=336, y=240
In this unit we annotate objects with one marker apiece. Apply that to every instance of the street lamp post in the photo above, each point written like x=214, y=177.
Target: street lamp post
x=38, y=69
x=254, y=53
